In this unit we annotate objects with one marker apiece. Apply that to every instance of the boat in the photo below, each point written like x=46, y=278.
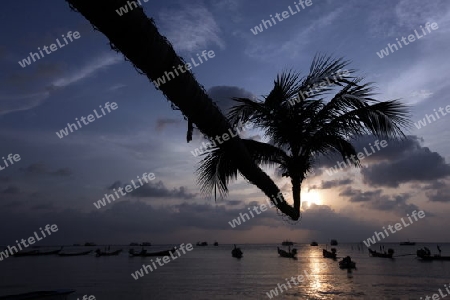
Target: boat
x=425, y=254
x=202, y=244
x=236, y=252
x=40, y=295
x=216, y=244
x=75, y=253
x=50, y=252
x=143, y=253
x=287, y=254
x=347, y=263
x=90, y=244
x=106, y=253
x=314, y=243
x=408, y=243
x=287, y=243
x=389, y=254
x=37, y=253
x=329, y=254
x=146, y=244
x=26, y=253
x=333, y=243
x=134, y=244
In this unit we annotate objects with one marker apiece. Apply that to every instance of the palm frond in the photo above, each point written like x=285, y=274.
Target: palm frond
x=216, y=170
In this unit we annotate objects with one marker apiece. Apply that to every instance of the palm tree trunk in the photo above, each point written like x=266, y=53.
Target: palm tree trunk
x=136, y=36
x=296, y=191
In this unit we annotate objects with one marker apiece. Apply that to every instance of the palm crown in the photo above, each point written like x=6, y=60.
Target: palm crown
x=301, y=124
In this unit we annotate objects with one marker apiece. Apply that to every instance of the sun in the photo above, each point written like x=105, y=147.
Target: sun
x=311, y=197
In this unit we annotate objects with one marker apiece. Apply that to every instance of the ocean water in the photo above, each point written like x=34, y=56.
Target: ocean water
x=211, y=273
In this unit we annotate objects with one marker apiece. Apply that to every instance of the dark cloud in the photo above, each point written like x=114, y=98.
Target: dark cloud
x=115, y=185
x=376, y=200
x=41, y=169
x=418, y=164
x=158, y=190
x=360, y=196
x=43, y=206
x=436, y=185
x=366, y=145
x=41, y=71
x=61, y=172
x=440, y=195
x=233, y=202
x=5, y=178
x=11, y=190
x=161, y=123
x=331, y=184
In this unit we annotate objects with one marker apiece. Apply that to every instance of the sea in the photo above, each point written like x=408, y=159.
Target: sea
x=212, y=273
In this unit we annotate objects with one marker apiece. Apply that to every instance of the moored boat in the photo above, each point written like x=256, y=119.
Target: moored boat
x=407, y=243
x=216, y=243
x=389, y=254
x=329, y=254
x=287, y=243
x=26, y=253
x=236, y=252
x=347, y=263
x=202, y=244
x=314, y=243
x=75, y=253
x=37, y=253
x=107, y=253
x=143, y=253
x=40, y=295
x=333, y=243
x=288, y=254
x=425, y=254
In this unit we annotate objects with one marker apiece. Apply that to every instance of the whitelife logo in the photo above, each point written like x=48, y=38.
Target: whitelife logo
x=397, y=226
x=411, y=38
x=31, y=240
x=90, y=118
x=128, y=189
x=71, y=36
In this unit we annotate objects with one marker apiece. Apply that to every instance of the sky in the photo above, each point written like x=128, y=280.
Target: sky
x=57, y=180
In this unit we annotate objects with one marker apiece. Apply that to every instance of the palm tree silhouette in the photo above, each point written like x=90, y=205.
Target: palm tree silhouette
x=137, y=38
x=300, y=125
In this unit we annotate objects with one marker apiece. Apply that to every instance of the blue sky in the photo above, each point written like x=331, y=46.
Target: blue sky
x=57, y=180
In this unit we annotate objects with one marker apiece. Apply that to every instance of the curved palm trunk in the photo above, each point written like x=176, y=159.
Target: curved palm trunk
x=136, y=36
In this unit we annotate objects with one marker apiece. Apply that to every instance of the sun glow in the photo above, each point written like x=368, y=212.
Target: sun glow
x=311, y=197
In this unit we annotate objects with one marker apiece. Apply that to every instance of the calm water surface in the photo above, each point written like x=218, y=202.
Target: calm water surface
x=211, y=273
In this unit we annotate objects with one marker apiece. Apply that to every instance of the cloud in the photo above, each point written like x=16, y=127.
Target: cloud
x=191, y=28
x=296, y=45
x=331, y=184
x=416, y=165
x=222, y=96
x=42, y=71
x=10, y=104
x=374, y=199
x=11, y=190
x=158, y=190
x=360, y=196
x=43, y=206
x=438, y=191
x=5, y=178
x=41, y=169
x=97, y=64
x=115, y=185
x=26, y=101
x=161, y=123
